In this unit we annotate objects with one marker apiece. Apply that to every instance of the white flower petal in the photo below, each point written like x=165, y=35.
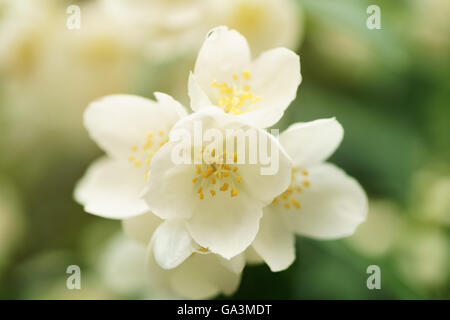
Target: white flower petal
x=223, y=53
x=275, y=77
x=172, y=244
x=196, y=94
x=275, y=243
x=141, y=227
x=333, y=205
x=119, y=122
x=111, y=189
x=312, y=142
x=267, y=186
x=235, y=264
x=224, y=225
x=252, y=257
x=170, y=193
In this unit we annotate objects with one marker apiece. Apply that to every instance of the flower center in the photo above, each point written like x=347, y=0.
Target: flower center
x=142, y=155
x=215, y=174
x=289, y=198
x=237, y=97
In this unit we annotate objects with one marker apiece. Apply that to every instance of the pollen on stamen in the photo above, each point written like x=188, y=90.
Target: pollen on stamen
x=306, y=183
x=246, y=74
x=234, y=192
x=131, y=158
x=238, y=179
x=296, y=203
x=137, y=163
x=224, y=187
x=235, y=76
x=134, y=148
x=194, y=180
x=201, y=195
x=213, y=193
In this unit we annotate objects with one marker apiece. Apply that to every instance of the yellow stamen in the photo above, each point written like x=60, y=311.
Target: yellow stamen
x=246, y=74
x=296, y=203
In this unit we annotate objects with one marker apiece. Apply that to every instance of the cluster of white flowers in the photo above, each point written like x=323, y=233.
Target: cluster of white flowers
x=202, y=222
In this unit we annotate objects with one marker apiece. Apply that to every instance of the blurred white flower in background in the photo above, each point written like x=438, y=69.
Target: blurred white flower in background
x=122, y=269
x=265, y=24
x=423, y=257
x=378, y=235
x=177, y=27
x=432, y=26
x=430, y=195
x=120, y=44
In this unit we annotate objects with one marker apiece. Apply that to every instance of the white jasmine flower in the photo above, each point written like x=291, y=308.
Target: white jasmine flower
x=220, y=198
x=130, y=129
x=321, y=201
x=256, y=91
x=177, y=263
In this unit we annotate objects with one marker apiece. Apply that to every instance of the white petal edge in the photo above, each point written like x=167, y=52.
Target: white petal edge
x=275, y=78
x=172, y=244
x=309, y=143
x=111, y=189
x=275, y=243
x=198, y=98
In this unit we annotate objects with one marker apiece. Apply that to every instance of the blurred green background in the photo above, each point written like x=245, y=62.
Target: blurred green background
x=390, y=88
